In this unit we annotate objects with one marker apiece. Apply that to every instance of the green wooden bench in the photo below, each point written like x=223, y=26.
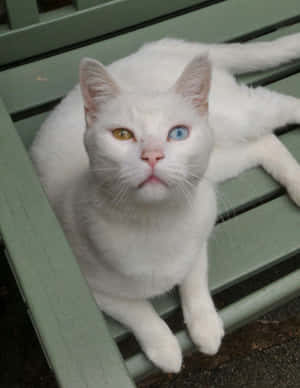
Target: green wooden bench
x=259, y=226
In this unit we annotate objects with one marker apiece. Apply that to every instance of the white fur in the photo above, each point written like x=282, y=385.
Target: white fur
x=132, y=242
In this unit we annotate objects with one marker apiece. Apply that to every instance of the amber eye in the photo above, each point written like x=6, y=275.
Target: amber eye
x=122, y=134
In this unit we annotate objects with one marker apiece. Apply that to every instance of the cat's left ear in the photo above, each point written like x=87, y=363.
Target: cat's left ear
x=97, y=87
x=194, y=82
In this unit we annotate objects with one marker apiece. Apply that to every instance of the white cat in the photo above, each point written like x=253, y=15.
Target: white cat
x=138, y=202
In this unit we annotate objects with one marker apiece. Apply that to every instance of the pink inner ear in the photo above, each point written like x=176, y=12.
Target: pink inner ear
x=86, y=110
x=203, y=108
x=201, y=104
x=194, y=82
x=90, y=94
x=89, y=116
x=198, y=100
x=96, y=84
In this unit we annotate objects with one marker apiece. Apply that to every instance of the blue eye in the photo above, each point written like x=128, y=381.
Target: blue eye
x=178, y=133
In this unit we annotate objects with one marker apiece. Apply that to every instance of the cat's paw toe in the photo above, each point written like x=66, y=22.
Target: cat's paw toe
x=207, y=332
x=166, y=354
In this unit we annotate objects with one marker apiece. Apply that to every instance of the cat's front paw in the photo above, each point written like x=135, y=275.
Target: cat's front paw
x=206, y=331
x=165, y=352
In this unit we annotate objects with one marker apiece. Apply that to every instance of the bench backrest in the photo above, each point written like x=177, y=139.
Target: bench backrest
x=30, y=32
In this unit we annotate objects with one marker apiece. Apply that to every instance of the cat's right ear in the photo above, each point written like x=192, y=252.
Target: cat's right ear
x=194, y=82
x=97, y=87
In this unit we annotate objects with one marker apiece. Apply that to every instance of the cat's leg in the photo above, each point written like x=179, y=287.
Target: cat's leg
x=200, y=315
x=249, y=114
x=268, y=152
x=156, y=339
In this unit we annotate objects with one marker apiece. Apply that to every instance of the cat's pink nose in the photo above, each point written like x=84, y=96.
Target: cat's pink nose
x=152, y=157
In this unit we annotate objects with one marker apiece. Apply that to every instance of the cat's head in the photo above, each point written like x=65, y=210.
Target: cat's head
x=147, y=147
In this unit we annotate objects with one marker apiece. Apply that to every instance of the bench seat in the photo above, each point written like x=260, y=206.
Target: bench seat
x=258, y=224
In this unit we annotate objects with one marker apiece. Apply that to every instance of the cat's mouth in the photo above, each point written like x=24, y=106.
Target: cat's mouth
x=153, y=180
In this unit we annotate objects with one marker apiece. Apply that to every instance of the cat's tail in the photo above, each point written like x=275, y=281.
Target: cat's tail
x=244, y=57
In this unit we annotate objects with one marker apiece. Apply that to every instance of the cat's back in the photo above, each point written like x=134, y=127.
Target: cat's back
x=156, y=65
x=57, y=151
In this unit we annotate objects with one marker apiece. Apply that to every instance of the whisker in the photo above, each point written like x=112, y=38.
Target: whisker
x=117, y=200
x=186, y=194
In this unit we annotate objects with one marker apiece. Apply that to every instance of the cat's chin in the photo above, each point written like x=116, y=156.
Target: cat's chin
x=152, y=192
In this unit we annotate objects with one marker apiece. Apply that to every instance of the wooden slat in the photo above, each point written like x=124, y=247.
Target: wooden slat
x=71, y=326
x=289, y=85
x=83, y=4
x=253, y=241
x=22, y=13
x=254, y=185
x=28, y=127
x=72, y=26
x=39, y=82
